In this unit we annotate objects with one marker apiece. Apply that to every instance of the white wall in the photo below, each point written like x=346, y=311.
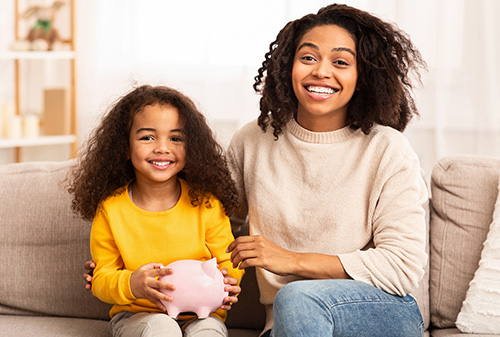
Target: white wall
x=211, y=50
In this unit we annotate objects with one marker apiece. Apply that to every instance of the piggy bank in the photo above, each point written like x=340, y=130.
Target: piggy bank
x=199, y=287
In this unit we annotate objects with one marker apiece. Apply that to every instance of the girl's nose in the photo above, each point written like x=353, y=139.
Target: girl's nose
x=162, y=147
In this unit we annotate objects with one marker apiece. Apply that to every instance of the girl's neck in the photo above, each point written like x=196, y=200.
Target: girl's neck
x=155, y=198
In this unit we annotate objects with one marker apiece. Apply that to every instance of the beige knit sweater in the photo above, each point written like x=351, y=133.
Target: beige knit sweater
x=341, y=193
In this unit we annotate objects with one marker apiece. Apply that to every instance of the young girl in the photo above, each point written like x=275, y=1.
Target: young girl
x=336, y=217
x=157, y=187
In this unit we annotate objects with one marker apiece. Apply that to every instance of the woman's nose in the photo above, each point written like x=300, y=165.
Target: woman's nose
x=323, y=69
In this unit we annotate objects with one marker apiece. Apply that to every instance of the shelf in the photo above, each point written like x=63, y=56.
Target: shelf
x=37, y=141
x=35, y=74
x=37, y=55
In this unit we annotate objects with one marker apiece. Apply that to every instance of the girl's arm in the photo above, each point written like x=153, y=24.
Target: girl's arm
x=113, y=284
x=232, y=288
x=218, y=237
x=144, y=283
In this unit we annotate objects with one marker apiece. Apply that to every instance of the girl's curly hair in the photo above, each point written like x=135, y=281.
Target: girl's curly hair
x=385, y=59
x=104, y=165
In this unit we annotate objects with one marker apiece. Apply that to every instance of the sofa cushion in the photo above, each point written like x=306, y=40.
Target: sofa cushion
x=480, y=311
x=43, y=245
x=21, y=326
x=464, y=191
x=453, y=332
x=421, y=293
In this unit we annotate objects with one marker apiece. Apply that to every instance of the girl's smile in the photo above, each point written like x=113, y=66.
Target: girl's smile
x=324, y=77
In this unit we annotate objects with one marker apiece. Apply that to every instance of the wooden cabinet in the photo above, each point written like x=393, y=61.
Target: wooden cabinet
x=38, y=106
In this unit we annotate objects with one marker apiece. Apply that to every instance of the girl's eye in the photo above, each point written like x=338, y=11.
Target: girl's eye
x=147, y=138
x=176, y=139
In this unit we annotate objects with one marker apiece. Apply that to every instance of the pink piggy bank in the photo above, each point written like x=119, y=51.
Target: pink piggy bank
x=199, y=287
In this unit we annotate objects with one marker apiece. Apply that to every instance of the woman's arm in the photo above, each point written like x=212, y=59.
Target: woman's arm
x=258, y=251
x=89, y=266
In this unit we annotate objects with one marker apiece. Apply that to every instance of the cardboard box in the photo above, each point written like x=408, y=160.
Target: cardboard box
x=56, y=112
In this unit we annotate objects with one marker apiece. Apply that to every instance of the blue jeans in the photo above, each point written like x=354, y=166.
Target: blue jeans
x=343, y=308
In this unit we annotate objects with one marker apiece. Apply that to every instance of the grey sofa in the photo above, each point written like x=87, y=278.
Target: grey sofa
x=43, y=247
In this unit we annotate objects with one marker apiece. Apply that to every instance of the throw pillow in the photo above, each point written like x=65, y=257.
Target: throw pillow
x=480, y=311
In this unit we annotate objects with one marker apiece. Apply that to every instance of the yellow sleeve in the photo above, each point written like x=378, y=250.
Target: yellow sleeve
x=218, y=238
x=110, y=283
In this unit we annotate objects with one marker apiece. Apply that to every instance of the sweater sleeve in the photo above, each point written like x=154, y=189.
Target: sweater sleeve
x=110, y=282
x=239, y=220
x=395, y=263
x=218, y=238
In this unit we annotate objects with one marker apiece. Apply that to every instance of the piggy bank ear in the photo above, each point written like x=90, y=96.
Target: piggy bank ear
x=210, y=267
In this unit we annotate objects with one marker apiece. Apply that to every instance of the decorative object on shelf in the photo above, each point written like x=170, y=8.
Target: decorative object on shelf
x=31, y=126
x=14, y=126
x=41, y=81
x=43, y=35
x=10, y=121
x=56, y=112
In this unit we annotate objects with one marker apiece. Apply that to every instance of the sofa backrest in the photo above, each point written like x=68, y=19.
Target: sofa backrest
x=464, y=191
x=42, y=245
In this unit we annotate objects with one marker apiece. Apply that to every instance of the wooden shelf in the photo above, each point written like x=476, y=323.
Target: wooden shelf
x=37, y=141
x=37, y=55
x=25, y=87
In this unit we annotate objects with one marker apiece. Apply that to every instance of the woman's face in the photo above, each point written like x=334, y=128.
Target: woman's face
x=324, y=77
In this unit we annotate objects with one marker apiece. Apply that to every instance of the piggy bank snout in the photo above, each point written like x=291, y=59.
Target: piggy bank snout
x=199, y=287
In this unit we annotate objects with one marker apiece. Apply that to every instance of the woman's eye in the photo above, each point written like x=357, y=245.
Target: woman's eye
x=307, y=58
x=341, y=63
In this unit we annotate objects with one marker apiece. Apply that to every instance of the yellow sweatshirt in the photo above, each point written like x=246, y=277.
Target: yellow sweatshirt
x=124, y=237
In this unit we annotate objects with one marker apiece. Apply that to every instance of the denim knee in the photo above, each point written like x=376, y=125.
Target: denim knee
x=343, y=308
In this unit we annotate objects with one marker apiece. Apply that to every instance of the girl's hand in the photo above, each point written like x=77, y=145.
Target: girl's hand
x=89, y=265
x=232, y=288
x=258, y=251
x=144, y=283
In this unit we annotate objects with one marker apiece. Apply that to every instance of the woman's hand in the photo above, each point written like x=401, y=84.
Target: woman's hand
x=258, y=251
x=144, y=283
x=232, y=288
x=89, y=265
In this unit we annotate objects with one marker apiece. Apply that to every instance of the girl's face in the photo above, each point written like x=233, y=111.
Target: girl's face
x=324, y=77
x=157, y=146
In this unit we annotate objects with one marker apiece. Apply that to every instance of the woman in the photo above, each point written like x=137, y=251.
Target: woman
x=331, y=187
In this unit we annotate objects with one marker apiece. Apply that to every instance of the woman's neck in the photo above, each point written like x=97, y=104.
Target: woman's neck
x=155, y=198
x=322, y=123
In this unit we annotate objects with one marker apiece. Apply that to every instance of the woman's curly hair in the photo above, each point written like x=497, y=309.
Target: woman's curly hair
x=385, y=57
x=104, y=165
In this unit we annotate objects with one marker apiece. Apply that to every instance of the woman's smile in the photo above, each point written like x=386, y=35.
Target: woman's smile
x=320, y=92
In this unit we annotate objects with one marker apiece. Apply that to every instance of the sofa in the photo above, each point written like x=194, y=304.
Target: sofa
x=43, y=246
